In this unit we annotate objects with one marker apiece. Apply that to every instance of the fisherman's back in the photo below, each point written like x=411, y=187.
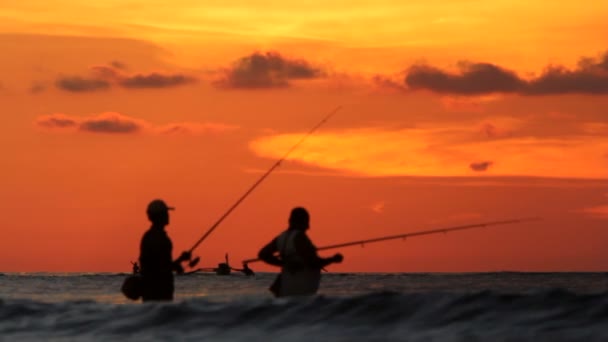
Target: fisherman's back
x=156, y=265
x=298, y=278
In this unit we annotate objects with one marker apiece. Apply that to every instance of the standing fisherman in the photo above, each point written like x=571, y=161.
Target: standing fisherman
x=155, y=257
x=300, y=264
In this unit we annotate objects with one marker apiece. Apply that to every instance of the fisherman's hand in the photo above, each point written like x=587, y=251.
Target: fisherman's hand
x=179, y=269
x=185, y=256
x=337, y=258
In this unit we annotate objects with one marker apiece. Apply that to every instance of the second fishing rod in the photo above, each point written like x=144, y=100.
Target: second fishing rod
x=195, y=261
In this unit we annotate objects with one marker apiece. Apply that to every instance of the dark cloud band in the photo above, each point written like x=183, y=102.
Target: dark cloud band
x=267, y=70
x=481, y=166
x=590, y=77
x=79, y=84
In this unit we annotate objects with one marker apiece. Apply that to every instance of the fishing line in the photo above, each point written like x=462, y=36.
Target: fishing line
x=259, y=181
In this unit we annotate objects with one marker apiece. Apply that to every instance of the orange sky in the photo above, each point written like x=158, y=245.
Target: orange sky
x=453, y=112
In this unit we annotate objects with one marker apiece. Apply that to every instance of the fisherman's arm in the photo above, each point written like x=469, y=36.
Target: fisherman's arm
x=267, y=254
x=308, y=252
x=336, y=258
x=177, y=264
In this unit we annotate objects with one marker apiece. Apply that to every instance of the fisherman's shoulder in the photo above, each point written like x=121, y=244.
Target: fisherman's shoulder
x=302, y=240
x=155, y=236
x=301, y=235
x=282, y=236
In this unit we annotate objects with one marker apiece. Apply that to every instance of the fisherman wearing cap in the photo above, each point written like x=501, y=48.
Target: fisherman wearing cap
x=297, y=256
x=155, y=257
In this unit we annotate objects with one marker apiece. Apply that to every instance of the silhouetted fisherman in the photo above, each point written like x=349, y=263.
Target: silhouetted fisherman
x=155, y=258
x=300, y=264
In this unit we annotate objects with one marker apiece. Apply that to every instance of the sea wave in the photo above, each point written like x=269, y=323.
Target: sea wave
x=554, y=315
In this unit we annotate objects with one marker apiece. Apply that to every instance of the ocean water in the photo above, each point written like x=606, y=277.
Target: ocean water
x=504, y=306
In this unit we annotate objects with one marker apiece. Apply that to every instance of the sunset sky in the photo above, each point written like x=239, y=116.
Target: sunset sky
x=452, y=112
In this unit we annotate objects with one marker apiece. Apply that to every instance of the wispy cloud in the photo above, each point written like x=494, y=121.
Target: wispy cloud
x=378, y=207
x=114, y=74
x=106, y=72
x=79, y=84
x=37, y=87
x=443, y=152
x=600, y=211
x=118, y=65
x=56, y=121
x=195, y=128
x=111, y=123
x=493, y=131
x=117, y=123
x=155, y=80
x=388, y=83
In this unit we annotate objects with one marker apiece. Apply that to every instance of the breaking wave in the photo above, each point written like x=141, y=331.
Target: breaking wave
x=551, y=315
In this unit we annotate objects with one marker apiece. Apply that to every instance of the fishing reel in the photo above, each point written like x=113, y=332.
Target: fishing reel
x=194, y=261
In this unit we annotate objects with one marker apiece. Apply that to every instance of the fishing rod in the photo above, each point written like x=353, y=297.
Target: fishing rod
x=419, y=233
x=258, y=182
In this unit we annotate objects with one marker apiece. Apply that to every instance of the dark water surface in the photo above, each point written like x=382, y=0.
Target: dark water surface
x=505, y=306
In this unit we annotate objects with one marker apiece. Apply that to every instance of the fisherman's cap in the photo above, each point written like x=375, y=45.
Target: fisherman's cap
x=158, y=206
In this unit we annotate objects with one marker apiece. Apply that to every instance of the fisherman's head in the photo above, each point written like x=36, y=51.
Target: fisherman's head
x=158, y=212
x=299, y=219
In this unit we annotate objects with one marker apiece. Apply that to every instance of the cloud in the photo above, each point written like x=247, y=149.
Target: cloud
x=501, y=127
x=267, y=70
x=116, y=123
x=589, y=77
x=595, y=128
x=105, y=76
x=378, y=207
x=194, y=128
x=600, y=211
x=155, y=80
x=491, y=131
x=37, y=88
x=56, y=121
x=118, y=65
x=80, y=84
x=481, y=166
x=106, y=72
x=474, y=79
x=111, y=123
x=387, y=83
